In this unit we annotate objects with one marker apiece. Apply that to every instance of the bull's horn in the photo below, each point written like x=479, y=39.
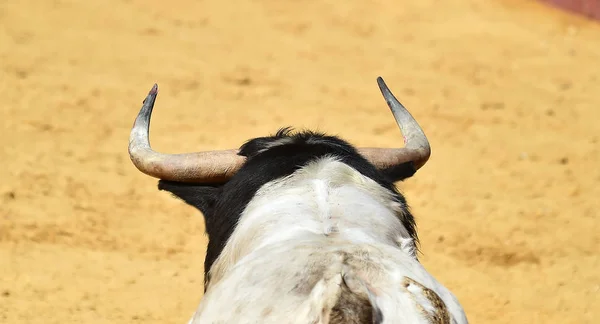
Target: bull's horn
x=220, y=166
x=416, y=149
x=201, y=167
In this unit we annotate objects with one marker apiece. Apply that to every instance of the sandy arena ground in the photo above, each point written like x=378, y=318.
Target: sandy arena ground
x=507, y=92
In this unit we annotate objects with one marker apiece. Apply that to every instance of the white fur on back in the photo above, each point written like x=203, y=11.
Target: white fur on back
x=312, y=224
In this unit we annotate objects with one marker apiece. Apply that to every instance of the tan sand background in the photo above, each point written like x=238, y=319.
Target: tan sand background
x=507, y=92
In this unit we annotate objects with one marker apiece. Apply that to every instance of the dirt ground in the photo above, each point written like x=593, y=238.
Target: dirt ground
x=507, y=92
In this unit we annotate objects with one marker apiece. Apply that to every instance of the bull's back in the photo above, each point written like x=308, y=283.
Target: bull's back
x=334, y=283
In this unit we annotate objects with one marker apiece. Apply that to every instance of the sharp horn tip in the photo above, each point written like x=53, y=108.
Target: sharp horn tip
x=382, y=86
x=152, y=92
x=154, y=89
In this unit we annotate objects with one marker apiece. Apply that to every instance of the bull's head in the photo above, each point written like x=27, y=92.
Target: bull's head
x=219, y=166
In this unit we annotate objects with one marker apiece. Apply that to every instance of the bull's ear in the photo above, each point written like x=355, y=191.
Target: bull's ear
x=202, y=197
x=400, y=172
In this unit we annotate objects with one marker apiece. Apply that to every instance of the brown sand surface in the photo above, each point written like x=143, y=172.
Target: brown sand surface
x=508, y=93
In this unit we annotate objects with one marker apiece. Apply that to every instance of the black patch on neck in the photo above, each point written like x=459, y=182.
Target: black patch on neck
x=270, y=158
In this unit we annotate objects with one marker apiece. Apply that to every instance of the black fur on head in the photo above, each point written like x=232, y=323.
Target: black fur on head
x=270, y=158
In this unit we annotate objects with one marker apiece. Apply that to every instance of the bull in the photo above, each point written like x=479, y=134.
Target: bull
x=304, y=227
